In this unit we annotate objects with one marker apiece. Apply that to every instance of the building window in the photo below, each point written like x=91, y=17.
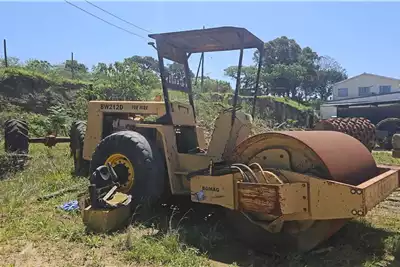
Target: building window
x=363, y=91
x=384, y=89
x=342, y=92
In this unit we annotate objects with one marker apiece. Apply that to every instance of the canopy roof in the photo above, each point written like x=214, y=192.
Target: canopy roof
x=173, y=45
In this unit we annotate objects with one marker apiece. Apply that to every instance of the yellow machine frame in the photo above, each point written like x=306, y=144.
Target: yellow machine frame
x=178, y=164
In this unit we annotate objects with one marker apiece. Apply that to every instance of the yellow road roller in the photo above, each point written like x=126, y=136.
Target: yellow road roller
x=290, y=189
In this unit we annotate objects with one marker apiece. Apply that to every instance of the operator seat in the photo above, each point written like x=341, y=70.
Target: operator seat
x=225, y=137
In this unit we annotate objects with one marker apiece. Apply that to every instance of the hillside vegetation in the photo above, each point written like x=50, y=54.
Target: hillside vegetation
x=298, y=77
x=38, y=98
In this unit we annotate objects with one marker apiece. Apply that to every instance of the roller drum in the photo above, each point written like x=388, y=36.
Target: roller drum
x=325, y=154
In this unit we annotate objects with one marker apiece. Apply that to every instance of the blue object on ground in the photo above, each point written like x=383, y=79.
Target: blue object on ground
x=70, y=206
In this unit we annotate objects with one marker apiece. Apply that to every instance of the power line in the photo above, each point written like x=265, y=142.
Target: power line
x=115, y=16
x=106, y=21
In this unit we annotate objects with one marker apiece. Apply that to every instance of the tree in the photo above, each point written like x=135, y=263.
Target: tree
x=309, y=60
x=11, y=62
x=289, y=70
x=42, y=66
x=329, y=72
x=284, y=80
x=124, y=80
x=176, y=73
x=68, y=67
x=145, y=63
x=212, y=85
x=76, y=67
x=248, y=76
x=281, y=50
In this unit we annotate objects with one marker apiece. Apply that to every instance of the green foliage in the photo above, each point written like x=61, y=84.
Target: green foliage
x=37, y=123
x=284, y=79
x=59, y=120
x=329, y=73
x=291, y=71
x=78, y=110
x=11, y=61
x=248, y=76
x=123, y=81
x=75, y=66
x=165, y=251
x=145, y=63
x=30, y=74
x=211, y=85
x=288, y=101
x=40, y=66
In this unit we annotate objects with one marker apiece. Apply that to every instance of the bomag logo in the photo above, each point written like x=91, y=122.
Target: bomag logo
x=210, y=188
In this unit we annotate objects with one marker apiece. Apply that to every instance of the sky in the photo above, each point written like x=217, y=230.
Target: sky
x=361, y=36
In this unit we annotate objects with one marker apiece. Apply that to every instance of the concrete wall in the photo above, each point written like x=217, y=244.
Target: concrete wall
x=281, y=112
x=364, y=80
x=327, y=112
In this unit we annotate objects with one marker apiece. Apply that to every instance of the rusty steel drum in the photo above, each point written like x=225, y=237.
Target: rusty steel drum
x=324, y=154
x=360, y=128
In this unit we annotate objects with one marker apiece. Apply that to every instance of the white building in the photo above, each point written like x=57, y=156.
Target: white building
x=365, y=84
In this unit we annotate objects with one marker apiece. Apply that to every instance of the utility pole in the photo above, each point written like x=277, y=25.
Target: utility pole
x=5, y=53
x=72, y=64
x=202, y=70
x=198, y=70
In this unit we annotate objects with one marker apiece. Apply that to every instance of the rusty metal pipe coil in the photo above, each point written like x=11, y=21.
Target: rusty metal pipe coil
x=359, y=128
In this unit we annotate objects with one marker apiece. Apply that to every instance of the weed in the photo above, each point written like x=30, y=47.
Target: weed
x=385, y=157
x=24, y=219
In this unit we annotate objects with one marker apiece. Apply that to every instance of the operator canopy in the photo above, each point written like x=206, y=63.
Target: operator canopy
x=175, y=45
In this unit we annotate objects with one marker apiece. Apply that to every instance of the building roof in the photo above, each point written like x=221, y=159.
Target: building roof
x=369, y=74
x=388, y=98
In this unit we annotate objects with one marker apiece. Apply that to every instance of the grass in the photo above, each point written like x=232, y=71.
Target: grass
x=285, y=100
x=385, y=157
x=39, y=233
x=34, y=232
x=288, y=101
x=28, y=74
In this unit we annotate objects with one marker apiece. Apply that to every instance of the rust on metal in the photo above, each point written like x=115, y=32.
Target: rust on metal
x=50, y=140
x=324, y=154
x=172, y=45
x=272, y=199
x=258, y=198
x=346, y=159
x=334, y=155
x=378, y=188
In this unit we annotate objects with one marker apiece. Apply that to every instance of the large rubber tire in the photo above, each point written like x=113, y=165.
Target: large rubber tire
x=15, y=121
x=77, y=135
x=391, y=125
x=16, y=139
x=146, y=159
x=396, y=141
